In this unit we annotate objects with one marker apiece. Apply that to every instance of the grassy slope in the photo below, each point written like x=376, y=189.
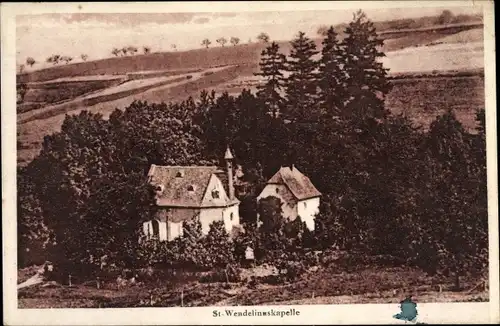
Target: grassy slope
x=366, y=285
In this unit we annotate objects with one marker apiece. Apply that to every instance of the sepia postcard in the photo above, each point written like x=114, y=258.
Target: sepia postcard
x=226, y=163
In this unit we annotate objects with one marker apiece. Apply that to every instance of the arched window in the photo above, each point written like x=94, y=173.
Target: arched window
x=156, y=228
x=231, y=216
x=277, y=190
x=190, y=188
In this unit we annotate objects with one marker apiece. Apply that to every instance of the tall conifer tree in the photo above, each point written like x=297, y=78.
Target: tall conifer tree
x=272, y=63
x=331, y=76
x=301, y=88
x=366, y=78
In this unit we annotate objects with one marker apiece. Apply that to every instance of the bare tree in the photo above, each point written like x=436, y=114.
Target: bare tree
x=66, y=59
x=116, y=52
x=221, y=41
x=21, y=68
x=234, y=40
x=30, y=61
x=132, y=50
x=146, y=49
x=84, y=57
x=54, y=59
x=124, y=51
x=263, y=37
x=206, y=43
x=174, y=47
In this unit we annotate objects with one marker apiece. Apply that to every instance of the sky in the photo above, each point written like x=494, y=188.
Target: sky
x=42, y=35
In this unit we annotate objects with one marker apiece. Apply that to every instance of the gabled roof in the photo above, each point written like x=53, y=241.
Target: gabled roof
x=182, y=186
x=299, y=185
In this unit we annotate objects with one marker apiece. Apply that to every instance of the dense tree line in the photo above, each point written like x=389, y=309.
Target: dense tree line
x=388, y=187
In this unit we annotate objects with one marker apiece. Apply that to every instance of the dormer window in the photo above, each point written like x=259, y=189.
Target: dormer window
x=159, y=188
x=190, y=188
x=180, y=174
x=277, y=190
x=215, y=194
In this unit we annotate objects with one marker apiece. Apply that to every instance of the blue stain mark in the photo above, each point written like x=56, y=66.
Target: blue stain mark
x=408, y=310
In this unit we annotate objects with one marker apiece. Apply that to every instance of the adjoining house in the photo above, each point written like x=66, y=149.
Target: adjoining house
x=192, y=192
x=296, y=191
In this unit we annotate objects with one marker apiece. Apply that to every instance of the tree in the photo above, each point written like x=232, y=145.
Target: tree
x=302, y=82
x=30, y=61
x=66, y=59
x=272, y=63
x=206, y=43
x=84, y=57
x=146, y=49
x=116, y=52
x=234, y=40
x=124, y=51
x=366, y=78
x=132, y=50
x=21, y=68
x=331, y=75
x=173, y=46
x=54, y=59
x=222, y=41
x=263, y=37
x=452, y=219
x=446, y=17
x=22, y=88
x=270, y=214
x=218, y=245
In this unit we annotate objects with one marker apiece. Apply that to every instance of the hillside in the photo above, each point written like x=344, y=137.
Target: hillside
x=416, y=57
x=221, y=56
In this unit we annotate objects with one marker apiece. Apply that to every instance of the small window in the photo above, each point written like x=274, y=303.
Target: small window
x=305, y=205
x=179, y=174
x=159, y=188
x=190, y=188
x=277, y=190
x=231, y=216
x=215, y=194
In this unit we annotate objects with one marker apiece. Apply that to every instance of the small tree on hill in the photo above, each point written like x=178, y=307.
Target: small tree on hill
x=132, y=50
x=115, y=51
x=222, y=41
x=54, y=59
x=30, y=61
x=301, y=85
x=263, y=37
x=234, y=40
x=84, y=57
x=206, y=43
x=272, y=65
x=174, y=47
x=67, y=59
x=146, y=49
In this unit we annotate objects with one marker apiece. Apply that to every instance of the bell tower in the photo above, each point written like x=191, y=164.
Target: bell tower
x=228, y=157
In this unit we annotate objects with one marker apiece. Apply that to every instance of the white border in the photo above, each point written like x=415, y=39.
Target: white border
x=310, y=314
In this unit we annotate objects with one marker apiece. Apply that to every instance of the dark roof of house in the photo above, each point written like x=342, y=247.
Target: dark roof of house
x=184, y=186
x=298, y=184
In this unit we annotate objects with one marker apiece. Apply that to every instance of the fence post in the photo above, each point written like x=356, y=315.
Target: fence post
x=69, y=280
x=182, y=297
x=98, y=284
